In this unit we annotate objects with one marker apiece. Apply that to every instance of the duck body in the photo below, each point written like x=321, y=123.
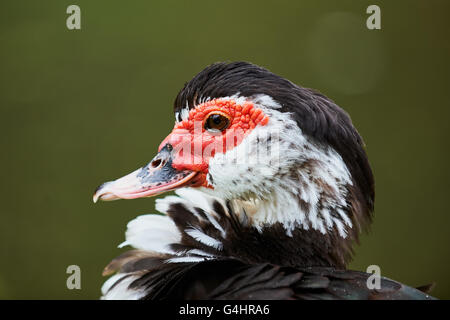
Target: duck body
x=199, y=271
x=273, y=189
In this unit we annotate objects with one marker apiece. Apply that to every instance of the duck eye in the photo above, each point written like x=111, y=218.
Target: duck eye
x=217, y=122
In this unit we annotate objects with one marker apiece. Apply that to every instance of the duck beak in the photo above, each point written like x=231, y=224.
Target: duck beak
x=157, y=177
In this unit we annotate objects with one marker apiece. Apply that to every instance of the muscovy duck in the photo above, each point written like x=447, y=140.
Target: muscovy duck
x=273, y=188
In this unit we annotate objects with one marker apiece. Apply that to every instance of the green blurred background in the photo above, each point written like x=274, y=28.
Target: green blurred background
x=82, y=107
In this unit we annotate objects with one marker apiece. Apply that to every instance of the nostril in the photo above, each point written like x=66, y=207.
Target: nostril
x=156, y=163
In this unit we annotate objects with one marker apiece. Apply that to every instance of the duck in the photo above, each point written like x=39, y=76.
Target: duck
x=273, y=188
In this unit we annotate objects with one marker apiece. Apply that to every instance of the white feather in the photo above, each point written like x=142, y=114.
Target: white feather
x=184, y=114
x=152, y=233
x=120, y=291
x=185, y=259
x=204, y=238
x=199, y=253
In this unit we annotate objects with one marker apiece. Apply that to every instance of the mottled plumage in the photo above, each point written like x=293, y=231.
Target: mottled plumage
x=251, y=230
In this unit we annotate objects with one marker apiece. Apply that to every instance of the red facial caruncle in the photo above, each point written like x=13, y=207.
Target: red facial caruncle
x=195, y=144
x=215, y=126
